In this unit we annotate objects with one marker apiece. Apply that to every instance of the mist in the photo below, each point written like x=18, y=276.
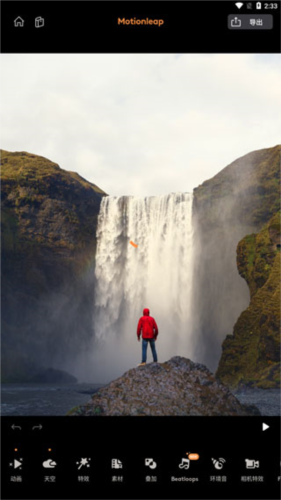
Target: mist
x=156, y=274
x=225, y=210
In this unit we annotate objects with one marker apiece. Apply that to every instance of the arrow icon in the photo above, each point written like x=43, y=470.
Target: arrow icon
x=15, y=427
x=264, y=426
x=37, y=427
x=16, y=464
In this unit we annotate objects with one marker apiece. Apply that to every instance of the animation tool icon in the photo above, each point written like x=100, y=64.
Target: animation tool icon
x=16, y=464
x=134, y=244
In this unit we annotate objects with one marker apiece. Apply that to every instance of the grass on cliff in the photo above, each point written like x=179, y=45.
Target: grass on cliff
x=256, y=254
x=251, y=356
x=26, y=169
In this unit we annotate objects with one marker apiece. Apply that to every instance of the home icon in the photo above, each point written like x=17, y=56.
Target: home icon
x=19, y=22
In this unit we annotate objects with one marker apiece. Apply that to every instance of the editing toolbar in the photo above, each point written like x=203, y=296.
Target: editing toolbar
x=137, y=457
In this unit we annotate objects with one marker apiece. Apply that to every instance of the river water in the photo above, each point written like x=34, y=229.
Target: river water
x=43, y=399
x=51, y=400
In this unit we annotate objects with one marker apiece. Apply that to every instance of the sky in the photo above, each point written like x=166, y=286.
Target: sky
x=141, y=125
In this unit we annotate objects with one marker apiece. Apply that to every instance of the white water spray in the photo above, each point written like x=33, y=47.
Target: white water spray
x=157, y=274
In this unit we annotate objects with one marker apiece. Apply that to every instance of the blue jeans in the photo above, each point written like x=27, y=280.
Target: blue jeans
x=144, y=349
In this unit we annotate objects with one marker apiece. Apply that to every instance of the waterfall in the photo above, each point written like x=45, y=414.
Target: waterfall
x=156, y=274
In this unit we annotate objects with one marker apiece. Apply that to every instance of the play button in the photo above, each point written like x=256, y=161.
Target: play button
x=264, y=426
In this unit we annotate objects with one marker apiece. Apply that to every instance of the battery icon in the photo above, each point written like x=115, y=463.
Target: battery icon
x=258, y=5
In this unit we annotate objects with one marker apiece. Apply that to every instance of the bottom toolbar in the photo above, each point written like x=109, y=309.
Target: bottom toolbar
x=148, y=457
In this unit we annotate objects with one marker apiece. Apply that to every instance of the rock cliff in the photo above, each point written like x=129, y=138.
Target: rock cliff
x=48, y=230
x=251, y=356
x=243, y=199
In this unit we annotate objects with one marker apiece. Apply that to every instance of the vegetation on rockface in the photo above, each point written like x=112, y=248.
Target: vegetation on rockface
x=251, y=356
x=37, y=192
x=239, y=201
x=48, y=225
x=256, y=254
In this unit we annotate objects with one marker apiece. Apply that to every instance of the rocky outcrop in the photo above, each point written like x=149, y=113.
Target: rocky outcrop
x=48, y=230
x=240, y=206
x=251, y=356
x=177, y=387
x=237, y=205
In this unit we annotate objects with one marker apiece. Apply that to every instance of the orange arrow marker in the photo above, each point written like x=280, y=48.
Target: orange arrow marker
x=133, y=244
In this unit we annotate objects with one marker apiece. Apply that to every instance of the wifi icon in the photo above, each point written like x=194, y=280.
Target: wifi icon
x=239, y=5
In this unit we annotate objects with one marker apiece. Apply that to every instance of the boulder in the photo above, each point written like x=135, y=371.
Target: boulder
x=178, y=387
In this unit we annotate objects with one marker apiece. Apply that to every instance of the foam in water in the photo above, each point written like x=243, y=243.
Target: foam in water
x=157, y=274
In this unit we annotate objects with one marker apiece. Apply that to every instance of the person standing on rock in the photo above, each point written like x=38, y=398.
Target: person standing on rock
x=147, y=327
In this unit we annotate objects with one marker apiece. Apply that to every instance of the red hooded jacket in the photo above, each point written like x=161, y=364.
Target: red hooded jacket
x=147, y=326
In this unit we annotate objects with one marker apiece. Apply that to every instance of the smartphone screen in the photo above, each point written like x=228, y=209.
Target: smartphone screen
x=140, y=247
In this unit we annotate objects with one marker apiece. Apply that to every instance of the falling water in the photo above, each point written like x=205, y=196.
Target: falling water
x=156, y=274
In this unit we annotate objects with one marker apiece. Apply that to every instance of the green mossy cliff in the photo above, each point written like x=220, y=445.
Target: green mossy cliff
x=239, y=204
x=251, y=356
x=48, y=225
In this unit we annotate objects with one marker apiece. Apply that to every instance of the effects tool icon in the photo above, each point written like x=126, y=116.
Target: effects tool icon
x=84, y=462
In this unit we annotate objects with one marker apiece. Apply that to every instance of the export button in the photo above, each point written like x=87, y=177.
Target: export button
x=250, y=22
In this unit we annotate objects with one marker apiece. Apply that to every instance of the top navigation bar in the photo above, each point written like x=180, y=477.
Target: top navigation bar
x=140, y=27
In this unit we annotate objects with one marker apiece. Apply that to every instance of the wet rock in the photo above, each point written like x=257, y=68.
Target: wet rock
x=176, y=387
x=48, y=240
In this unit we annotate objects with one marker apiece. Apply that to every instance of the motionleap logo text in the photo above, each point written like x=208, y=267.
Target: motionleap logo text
x=134, y=21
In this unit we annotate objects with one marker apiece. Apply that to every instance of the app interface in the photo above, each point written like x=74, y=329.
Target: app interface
x=140, y=250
